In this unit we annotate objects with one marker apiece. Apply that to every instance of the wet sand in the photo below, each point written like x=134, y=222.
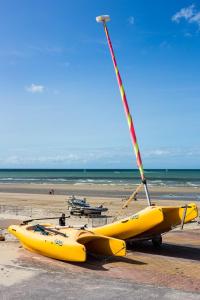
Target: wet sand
x=105, y=190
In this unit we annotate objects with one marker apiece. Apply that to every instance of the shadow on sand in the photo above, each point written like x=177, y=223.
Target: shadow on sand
x=93, y=262
x=168, y=249
x=97, y=263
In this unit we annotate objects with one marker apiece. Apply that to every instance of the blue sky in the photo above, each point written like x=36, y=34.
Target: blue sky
x=60, y=104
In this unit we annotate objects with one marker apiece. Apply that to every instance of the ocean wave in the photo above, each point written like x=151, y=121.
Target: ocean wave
x=109, y=178
x=19, y=179
x=192, y=184
x=157, y=183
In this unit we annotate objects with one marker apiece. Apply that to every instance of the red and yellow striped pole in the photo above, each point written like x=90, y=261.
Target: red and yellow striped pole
x=104, y=19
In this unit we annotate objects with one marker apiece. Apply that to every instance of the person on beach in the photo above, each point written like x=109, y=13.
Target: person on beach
x=62, y=220
x=51, y=192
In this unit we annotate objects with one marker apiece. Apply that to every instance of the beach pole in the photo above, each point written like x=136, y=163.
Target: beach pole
x=104, y=19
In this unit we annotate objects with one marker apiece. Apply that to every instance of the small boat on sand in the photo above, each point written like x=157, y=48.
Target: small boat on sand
x=73, y=201
x=82, y=208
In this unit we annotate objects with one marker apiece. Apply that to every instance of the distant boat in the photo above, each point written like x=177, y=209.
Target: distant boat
x=81, y=207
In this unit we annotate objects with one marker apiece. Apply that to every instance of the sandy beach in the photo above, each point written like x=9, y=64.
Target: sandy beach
x=33, y=200
x=174, y=269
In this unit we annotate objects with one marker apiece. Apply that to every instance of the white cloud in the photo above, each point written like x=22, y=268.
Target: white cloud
x=18, y=160
x=114, y=157
x=196, y=18
x=190, y=14
x=185, y=13
x=131, y=20
x=65, y=157
x=158, y=152
x=35, y=88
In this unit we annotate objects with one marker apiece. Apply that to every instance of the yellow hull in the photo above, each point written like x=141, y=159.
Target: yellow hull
x=173, y=217
x=72, y=247
x=133, y=225
x=151, y=221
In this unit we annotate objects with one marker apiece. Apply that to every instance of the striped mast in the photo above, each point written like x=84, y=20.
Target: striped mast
x=103, y=19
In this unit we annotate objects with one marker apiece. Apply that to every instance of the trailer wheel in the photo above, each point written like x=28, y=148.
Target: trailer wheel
x=157, y=242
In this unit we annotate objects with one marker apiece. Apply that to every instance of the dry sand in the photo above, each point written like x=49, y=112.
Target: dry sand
x=33, y=199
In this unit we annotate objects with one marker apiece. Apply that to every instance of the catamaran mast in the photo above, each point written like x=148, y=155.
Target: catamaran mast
x=103, y=19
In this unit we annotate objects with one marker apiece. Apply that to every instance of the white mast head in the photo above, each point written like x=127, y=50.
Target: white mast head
x=103, y=19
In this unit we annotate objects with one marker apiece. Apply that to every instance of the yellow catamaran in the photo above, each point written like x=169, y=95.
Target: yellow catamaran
x=72, y=244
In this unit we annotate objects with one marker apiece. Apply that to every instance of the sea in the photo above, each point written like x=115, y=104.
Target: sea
x=155, y=177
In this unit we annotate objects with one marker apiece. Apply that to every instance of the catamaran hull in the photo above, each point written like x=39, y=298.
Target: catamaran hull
x=149, y=222
x=71, y=247
x=173, y=217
